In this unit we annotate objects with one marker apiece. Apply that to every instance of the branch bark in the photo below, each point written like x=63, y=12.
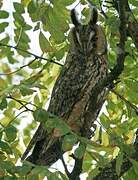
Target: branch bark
x=132, y=24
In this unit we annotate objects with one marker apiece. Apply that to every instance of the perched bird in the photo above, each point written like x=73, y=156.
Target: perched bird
x=71, y=99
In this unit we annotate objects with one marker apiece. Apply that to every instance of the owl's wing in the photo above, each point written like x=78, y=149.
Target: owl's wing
x=67, y=86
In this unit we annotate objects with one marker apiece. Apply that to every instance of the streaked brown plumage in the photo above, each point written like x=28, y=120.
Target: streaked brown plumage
x=85, y=65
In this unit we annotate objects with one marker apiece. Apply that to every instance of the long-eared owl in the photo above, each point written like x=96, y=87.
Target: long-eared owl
x=85, y=66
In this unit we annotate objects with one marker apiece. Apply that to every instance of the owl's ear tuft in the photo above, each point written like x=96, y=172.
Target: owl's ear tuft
x=94, y=15
x=74, y=18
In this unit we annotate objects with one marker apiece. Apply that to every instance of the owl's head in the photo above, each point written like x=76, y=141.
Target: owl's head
x=85, y=35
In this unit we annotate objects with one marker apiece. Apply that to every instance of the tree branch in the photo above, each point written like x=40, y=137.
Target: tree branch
x=22, y=103
x=21, y=67
x=65, y=166
x=121, y=54
x=74, y=175
x=132, y=28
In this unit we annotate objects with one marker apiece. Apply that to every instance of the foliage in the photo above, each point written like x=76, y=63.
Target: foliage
x=26, y=80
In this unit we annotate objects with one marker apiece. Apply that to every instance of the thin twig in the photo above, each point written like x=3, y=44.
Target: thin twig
x=135, y=108
x=65, y=166
x=32, y=54
x=74, y=175
x=21, y=67
x=21, y=102
x=16, y=116
x=77, y=4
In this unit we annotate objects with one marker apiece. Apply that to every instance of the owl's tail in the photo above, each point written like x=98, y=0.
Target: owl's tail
x=46, y=157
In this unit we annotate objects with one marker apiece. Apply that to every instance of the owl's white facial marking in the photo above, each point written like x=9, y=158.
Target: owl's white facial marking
x=78, y=39
x=92, y=33
x=85, y=38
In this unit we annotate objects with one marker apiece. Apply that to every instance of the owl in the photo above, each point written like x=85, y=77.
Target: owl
x=72, y=97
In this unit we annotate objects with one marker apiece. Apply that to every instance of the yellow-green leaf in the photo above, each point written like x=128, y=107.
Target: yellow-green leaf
x=44, y=43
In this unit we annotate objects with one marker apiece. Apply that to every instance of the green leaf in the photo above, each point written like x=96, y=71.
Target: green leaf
x=19, y=20
x=1, y=134
x=4, y=14
x=59, y=126
x=128, y=149
x=41, y=170
x=11, y=59
x=79, y=152
x=32, y=80
x=3, y=26
x=35, y=64
x=24, y=38
x=23, y=170
x=85, y=12
x=105, y=121
x=68, y=142
x=3, y=84
x=53, y=176
x=3, y=104
x=44, y=43
x=119, y=161
x=41, y=115
x=27, y=27
x=25, y=90
x=2, y=173
x=87, y=163
x=5, y=147
x=25, y=2
x=135, y=165
x=32, y=177
x=5, y=40
x=60, y=52
x=2, y=156
x=66, y=2
x=11, y=133
x=56, y=22
x=8, y=166
x=134, y=3
x=37, y=100
x=99, y=158
x=49, y=81
x=32, y=7
x=130, y=174
x=19, y=7
x=94, y=172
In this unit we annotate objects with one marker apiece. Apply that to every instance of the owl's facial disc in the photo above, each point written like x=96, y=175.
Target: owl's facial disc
x=85, y=40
